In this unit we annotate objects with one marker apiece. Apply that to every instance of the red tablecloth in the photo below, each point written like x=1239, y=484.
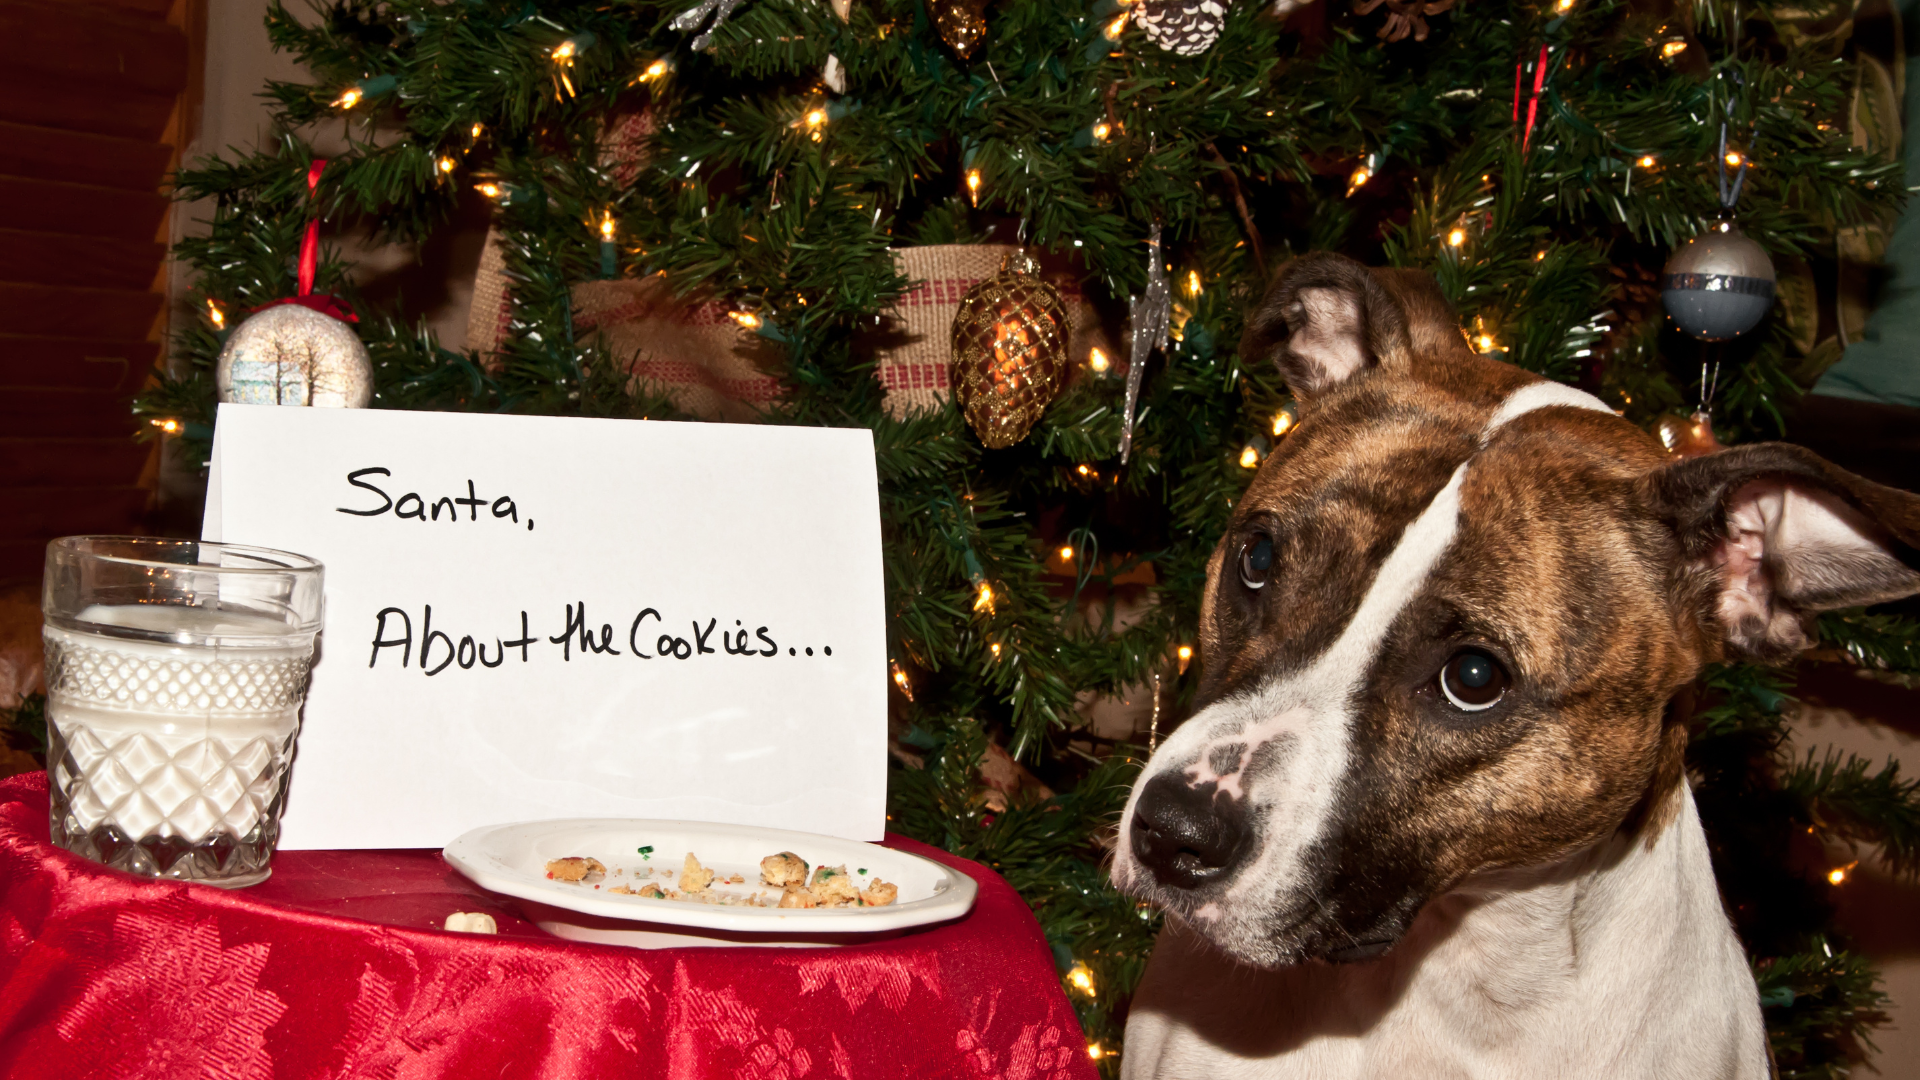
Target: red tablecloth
x=331, y=969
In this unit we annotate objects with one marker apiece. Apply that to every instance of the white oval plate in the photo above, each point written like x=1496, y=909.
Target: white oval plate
x=512, y=859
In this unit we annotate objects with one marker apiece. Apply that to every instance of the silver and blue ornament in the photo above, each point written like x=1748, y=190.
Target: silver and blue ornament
x=297, y=351
x=1719, y=284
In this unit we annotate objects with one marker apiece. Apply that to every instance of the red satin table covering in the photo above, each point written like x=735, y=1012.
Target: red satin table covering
x=332, y=969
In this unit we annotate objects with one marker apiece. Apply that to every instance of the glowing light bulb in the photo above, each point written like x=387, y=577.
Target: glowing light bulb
x=169, y=425
x=1733, y=159
x=1118, y=26
x=1066, y=553
x=1096, y=1051
x=1282, y=423
x=1185, y=653
x=1101, y=130
x=1361, y=175
x=816, y=118
x=564, y=52
x=1563, y=6
x=994, y=648
x=1098, y=363
x=1486, y=343
x=1080, y=976
x=490, y=189
x=984, y=601
x=446, y=164
x=349, y=99
x=746, y=319
x=477, y=129
x=1193, y=282
x=1837, y=875
x=656, y=70
x=1457, y=237
x=1084, y=471
x=606, y=226
x=1540, y=256
x=1672, y=49
x=219, y=317
x=900, y=680
x=973, y=186
x=1249, y=457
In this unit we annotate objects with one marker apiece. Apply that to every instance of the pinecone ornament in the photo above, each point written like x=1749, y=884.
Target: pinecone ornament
x=1009, y=352
x=962, y=23
x=1182, y=27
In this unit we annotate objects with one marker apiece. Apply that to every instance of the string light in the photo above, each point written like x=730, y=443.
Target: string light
x=1096, y=1051
x=349, y=99
x=1118, y=26
x=219, y=317
x=1097, y=362
x=446, y=164
x=1101, y=130
x=1282, y=423
x=606, y=226
x=1733, y=159
x=973, y=186
x=1838, y=875
x=656, y=70
x=1540, y=256
x=1193, y=282
x=172, y=427
x=984, y=601
x=1563, y=6
x=1361, y=174
x=564, y=52
x=1457, y=237
x=900, y=679
x=816, y=118
x=1249, y=456
x=1185, y=653
x=747, y=319
x=1066, y=553
x=1648, y=161
x=477, y=129
x=490, y=189
x=994, y=648
x=1081, y=978
x=1672, y=49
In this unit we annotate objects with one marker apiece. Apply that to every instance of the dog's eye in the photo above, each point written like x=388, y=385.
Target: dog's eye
x=1256, y=558
x=1473, y=680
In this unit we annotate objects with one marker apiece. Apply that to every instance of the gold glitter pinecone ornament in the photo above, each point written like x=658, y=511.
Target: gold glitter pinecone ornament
x=1009, y=351
x=962, y=23
x=289, y=354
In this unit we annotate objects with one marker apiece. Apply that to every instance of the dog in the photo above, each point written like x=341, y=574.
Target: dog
x=1430, y=815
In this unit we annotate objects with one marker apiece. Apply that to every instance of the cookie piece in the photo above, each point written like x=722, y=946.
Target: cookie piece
x=831, y=885
x=471, y=922
x=797, y=897
x=693, y=876
x=879, y=894
x=783, y=869
x=575, y=868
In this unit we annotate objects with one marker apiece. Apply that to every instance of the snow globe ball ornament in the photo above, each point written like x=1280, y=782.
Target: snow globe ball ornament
x=290, y=354
x=1719, y=285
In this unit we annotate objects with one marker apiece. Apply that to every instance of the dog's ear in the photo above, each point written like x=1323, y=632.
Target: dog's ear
x=1780, y=535
x=1325, y=320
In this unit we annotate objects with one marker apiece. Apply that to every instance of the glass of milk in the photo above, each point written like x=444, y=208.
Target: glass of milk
x=176, y=670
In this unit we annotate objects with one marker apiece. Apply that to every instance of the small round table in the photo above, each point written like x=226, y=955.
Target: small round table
x=334, y=967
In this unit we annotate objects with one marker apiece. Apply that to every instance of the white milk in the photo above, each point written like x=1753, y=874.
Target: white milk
x=173, y=740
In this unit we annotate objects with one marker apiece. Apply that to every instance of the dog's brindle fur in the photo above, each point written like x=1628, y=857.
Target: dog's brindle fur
x=1523, y=891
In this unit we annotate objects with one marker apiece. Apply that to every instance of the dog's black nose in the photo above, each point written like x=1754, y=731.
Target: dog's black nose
x=1186, y=835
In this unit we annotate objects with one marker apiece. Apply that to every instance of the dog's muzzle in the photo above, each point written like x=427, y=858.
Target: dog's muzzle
x=1187, y=835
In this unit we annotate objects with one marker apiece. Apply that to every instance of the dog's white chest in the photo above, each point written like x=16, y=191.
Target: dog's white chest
x=1619, y=964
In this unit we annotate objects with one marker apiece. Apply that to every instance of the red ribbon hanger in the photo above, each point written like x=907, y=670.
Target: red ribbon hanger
x=1533, y=103
x=310, y=262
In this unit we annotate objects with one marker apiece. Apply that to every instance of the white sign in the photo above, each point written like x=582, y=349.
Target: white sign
x=539, y=617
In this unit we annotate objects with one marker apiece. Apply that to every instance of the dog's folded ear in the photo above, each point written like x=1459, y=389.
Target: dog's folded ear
x=1324, y=320
x=1782, y=535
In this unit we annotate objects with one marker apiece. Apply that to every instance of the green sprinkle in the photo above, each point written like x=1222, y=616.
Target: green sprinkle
x=863, y=870
x=647, y=853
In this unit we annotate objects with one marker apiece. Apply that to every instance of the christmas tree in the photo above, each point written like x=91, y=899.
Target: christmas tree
x=1542, y=160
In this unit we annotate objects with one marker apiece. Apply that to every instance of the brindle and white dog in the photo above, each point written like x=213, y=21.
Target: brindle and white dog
x=1430, y=818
